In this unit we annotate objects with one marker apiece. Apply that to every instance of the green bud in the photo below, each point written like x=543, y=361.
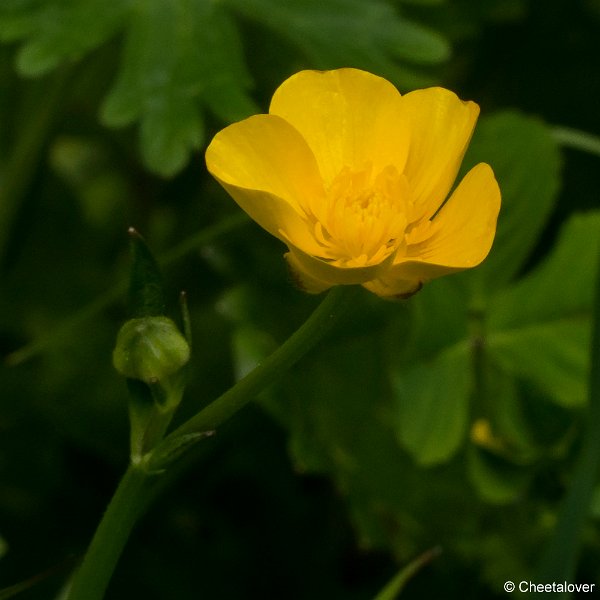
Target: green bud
x=150, y=349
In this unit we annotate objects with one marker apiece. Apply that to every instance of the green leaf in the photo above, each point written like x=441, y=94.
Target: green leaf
x=182, y=56
x=422, y=2
x=561, y=286
x=336, y=407
x=431, y=374
x=496, y=480
x=179, y=55
x=539, y=328
x=552, y=356
x=393, y=589
x=440, y=318
x=525, y=159
x=333, y=33
x=501, y=401
x=432, y=404
x=57, y=31
x=341, y=416
x=146, y=287
x=177, y=52
x=250, y=347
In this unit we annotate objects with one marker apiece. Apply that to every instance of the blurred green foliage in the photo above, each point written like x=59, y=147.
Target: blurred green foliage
x=181, y=56
x=451, y=419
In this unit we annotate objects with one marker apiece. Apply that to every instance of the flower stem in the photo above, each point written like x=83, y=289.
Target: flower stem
x=130, y=499
x=92, y=577
x=304, y=338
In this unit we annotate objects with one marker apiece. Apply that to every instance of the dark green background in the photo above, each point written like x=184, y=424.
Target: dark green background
x=361, y=459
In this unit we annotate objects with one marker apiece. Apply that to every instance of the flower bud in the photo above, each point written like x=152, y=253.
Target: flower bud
x=150, y=349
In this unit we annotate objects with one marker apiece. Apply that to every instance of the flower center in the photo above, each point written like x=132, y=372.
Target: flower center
x=364, y=217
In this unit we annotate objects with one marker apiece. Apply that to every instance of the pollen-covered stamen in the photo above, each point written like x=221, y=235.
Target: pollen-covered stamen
x=364, y=217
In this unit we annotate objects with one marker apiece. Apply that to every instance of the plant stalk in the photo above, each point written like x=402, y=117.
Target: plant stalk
x=93, y=576
x=130, y=499
x=303, y=339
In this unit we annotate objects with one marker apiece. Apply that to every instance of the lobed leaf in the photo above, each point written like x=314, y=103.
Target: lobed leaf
x=176, y=54
x=183, y=56
x=336, y=33
x=59, y=30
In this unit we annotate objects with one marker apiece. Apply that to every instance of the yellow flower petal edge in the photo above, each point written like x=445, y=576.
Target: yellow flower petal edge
x=459, y=237
x=441, y=126
x=354, y=177
x=267, y=168
x=348, y=118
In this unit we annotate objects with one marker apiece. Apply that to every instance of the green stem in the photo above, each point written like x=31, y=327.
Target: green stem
x=203, y=237
x=396, y=585
x=305, y=338
x=559, y=561
x=130, y=499
x=92, y=577
x=578, y=140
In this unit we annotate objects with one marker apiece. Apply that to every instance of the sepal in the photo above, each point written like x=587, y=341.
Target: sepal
x=150, y=349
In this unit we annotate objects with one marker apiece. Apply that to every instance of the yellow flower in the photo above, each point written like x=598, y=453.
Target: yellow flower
x=353, y=178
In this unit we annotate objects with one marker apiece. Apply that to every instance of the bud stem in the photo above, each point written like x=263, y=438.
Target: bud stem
x=92, y=578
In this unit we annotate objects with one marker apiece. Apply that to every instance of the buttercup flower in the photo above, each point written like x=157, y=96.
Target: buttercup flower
x=353, y=178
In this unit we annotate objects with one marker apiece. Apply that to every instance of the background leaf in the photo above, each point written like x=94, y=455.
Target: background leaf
x=526, y=162
x=177, y=53
x=336, y=33
x=496, y=480
x=453, y=335
x=539, y=329
x=432, y=405
x=319, y=461
x=554, y=357
x=182, y=57
x=561, y=286
x=58, y=31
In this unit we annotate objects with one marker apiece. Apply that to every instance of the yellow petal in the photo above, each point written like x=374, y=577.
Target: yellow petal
x=305, y=281
x=459, y=237
x=268, y=169
x=441, y=126
x=393, y=288
x=330, y=274
x=348, y=117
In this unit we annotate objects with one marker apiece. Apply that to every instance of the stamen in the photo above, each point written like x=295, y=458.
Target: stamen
x=364, y=218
